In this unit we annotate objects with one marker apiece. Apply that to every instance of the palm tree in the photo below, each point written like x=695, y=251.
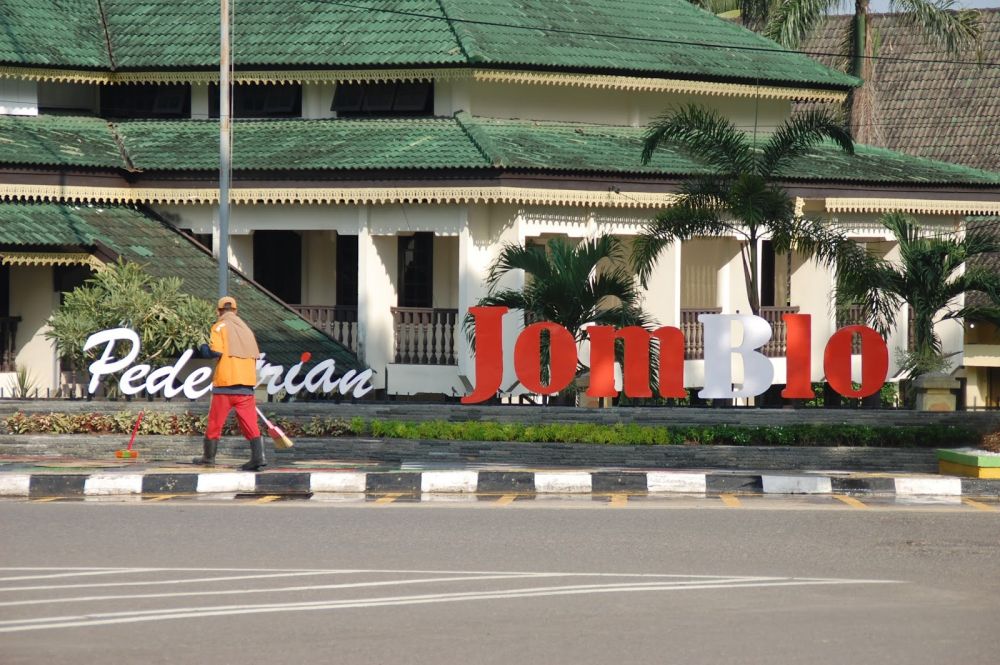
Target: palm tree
x=792, y=20
x=752, y=14
x=569, y=284
x=929, y=278
x=740, y=196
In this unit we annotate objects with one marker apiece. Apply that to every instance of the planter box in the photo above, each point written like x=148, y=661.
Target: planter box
x=970, y=463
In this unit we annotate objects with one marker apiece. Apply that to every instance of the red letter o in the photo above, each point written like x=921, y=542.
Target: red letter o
x=874, y=361
x=562, y=358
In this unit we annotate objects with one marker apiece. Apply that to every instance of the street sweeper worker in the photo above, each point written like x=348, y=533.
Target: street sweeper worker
x=234, y=344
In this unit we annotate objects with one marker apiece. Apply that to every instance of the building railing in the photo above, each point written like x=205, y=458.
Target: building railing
x=694, y=334
x=425, y=335
x=338, y=321
x=8, y=340
x=853, y=315
x=778, y=346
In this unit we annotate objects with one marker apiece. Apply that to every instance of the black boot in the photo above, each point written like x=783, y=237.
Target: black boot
x=257, y=460
x=209, y=446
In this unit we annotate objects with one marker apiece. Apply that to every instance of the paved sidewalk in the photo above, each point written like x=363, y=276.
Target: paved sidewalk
x=50, y=476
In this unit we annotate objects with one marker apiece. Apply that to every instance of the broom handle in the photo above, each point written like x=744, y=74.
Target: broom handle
x=135, y=430
x=264, y=418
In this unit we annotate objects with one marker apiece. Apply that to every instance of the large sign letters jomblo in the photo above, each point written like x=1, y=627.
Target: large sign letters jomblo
x=758, y=371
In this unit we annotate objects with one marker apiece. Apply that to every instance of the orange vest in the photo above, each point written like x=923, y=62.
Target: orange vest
x=230, y=371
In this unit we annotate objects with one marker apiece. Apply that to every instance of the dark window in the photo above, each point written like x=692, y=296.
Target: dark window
x=767, y=274
x=347, y=271
x=4, y=291
x=416, y=270
x=146, y=101
x=277, y=264
x=393, y=98
x=67, y=278
x=257, y=100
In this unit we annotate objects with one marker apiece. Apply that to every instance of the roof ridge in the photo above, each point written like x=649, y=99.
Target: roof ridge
x=126, y=158
x=454, y=31
x=107, y=35
x=479, y=138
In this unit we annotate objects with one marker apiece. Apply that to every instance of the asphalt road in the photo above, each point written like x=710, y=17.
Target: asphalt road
x=539, y=582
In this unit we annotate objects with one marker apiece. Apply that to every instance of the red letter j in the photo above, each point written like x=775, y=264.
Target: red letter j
x=489, y=352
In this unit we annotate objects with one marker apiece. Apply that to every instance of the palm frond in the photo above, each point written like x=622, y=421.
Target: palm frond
x=794, y=19
x=678, y=222
x=799, y=134
x=531, y=260
x=705, y=135
x=953, y=30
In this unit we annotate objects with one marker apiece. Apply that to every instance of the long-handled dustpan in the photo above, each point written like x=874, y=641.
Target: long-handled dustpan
x=280, y=439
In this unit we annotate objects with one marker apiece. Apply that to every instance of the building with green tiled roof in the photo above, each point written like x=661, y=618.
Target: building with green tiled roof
x=384, y=152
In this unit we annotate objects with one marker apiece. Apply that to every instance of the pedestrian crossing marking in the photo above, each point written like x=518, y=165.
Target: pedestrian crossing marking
x=850, y=501
x=978, y=505
x=730, y=501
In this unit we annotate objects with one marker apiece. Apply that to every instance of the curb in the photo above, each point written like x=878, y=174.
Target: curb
x=485, y=482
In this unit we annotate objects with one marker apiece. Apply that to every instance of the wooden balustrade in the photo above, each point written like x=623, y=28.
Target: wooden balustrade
x=853, y=315
x=777, y=347
x=8, y=339
x=694, y=334
x=424, y=335
x=338, y=321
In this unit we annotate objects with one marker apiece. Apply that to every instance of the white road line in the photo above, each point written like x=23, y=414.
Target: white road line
x=111, y=571
x=86, y=620
x=53, y=587
x=56, y=587
x=327, y=587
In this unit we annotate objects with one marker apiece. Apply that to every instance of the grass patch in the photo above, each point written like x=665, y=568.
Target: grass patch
x=188, y=424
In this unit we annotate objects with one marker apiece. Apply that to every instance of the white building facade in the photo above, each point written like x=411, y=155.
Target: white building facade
x=373, y=200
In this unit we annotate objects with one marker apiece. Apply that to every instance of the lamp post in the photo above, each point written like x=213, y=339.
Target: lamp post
x=225, y=155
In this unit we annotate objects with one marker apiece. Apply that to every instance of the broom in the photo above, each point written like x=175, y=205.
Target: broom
x=128, y=453
x=273, y=431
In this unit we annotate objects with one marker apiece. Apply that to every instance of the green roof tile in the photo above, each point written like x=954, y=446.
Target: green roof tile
x=578, y=147
x=58, y=141
x=165, y=252
x=53, y=33
x=665, y=37
x=414, y=143
x=420, y=144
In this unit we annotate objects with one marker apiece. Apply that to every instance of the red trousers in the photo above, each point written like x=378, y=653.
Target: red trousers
x=246, y=415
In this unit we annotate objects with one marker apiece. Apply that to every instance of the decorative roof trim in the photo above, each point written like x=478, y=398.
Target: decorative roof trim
x=565, y=79
x=50, y=259
x=350, y=195
x=917, y=206
x=646, y=84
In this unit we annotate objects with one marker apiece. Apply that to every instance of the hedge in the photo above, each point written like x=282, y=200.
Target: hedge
x=188, y=424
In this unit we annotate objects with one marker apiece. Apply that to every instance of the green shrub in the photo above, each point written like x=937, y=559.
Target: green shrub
x=188, y=424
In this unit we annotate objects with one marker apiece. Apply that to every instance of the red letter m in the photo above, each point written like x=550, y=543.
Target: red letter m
x=636, y=368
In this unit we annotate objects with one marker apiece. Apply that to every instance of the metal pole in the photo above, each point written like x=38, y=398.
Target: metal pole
x=225, y=133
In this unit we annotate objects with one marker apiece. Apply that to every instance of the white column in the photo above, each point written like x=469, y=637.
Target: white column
x=33, y=299
x=897, y=338
x=376, y=295
x=18, y=97
x=199, y=101
x=662, y=298
x=474, y=259
x=511, y=231
x=317, y=98
x=813, y=293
